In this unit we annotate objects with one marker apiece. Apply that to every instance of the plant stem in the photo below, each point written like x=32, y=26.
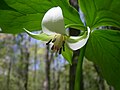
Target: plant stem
x=78, y=77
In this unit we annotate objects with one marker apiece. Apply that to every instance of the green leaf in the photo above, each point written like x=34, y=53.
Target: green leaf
x=101, y=12
x=29, y=13
x=103, y=49
x=4, y=6
x=14, y=22
x=67, y=54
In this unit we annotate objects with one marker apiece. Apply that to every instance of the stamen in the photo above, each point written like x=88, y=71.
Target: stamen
x=63, y=45
x=54, y=40
x=48, y=41
x=57, y=50
x=60, y=51
x=52, y=47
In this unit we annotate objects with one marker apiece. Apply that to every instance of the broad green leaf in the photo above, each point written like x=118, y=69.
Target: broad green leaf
x=101, y=12
x=29, y=13
x=4, y=6
x=14, y=22
x=67, y=54
x=103, y=49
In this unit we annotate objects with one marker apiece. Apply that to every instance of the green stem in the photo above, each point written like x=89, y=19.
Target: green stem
x=78, y=77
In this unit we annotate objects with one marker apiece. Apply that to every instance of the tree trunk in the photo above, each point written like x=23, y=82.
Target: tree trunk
x=47, y=70
x=35, y=62
x=21, y=63
x=24, y=63
x=27, y=56
x=26, y=70
x=8, y=77
x=72, y=71
x=58, y=77
x=101, y=85
x=111, y=88
x=58, y=81
x=53, y=76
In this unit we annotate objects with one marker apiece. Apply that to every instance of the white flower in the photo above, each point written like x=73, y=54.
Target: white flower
x=54, y=31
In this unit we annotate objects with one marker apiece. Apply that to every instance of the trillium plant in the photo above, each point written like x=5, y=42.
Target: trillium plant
x=99, y=40
x=54, y=32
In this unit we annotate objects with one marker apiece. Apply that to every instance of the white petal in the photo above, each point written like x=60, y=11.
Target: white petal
x=53, y=21
x=78, y=42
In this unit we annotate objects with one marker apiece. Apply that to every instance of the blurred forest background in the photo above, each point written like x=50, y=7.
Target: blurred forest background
x=28, y=64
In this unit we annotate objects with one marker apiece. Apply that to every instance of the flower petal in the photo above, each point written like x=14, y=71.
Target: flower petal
x=78, y=42
x=42, y=36
x=53, y=21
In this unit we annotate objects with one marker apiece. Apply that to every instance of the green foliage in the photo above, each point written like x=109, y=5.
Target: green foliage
x=4, y=6
x=28, y=14
x=67, y=54
x=101, y=12
x=103, y=48
x=78, y=78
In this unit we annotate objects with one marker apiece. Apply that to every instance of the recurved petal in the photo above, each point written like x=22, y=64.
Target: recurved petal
x=53, y=21
x=42, y=36
x=78, y=42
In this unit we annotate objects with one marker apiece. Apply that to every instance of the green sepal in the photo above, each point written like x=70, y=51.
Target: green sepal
x=41, y=36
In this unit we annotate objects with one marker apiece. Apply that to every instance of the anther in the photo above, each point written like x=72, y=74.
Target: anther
x=60, y=51
x=48, y=41
x=54, y=40
x=63, y=45
x=52, y=47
